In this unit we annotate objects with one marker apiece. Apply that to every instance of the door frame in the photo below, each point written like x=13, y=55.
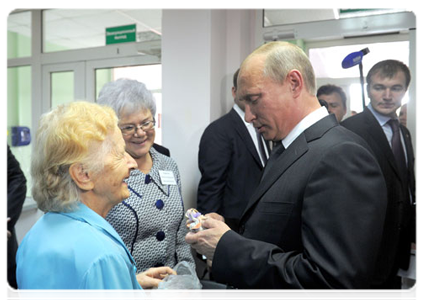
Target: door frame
x=78, y=70
x=92, y=65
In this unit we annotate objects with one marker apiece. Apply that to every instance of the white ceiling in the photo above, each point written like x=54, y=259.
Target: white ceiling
x=81, y=28
x=292, y=16
x=78, y=28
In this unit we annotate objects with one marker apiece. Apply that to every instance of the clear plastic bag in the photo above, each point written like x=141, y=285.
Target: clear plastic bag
x=186, y=278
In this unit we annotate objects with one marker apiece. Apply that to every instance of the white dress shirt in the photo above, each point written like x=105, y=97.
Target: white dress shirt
x=253, y=133
x=305, y=123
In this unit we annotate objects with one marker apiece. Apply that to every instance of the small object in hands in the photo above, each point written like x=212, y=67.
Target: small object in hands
x=185, y=278
x=194, y=220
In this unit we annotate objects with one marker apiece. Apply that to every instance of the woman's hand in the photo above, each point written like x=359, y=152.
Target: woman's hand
x=151, y=278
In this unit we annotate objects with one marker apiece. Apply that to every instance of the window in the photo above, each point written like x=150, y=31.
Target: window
x=19, y=35
x=38, y=81
x=62, y=88
x=150, y=75
x=19, y=114
x=327, y=63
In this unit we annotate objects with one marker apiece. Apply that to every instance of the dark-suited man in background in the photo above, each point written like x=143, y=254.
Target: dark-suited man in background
x=299, y=230
x=387, y=83
x=16, y=193
x=335, y=98
x=230, y=162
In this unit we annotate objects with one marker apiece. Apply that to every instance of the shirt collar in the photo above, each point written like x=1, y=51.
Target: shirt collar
x=85, y=214
x=382, y=120
x=305, y=123
x=241, y=114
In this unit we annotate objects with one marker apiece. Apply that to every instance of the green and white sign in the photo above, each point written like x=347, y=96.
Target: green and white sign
x=121, y=34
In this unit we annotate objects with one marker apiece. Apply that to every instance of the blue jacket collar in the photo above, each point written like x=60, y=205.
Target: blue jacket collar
x=85, y=214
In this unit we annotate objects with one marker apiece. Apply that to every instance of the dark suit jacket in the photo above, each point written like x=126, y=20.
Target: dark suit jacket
x=16, y=193
x=230, y=168
x=315, y=220
x=399, y=226
x=161, y=149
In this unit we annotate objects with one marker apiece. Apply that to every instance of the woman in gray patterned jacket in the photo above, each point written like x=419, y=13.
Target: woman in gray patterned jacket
x=151, y=221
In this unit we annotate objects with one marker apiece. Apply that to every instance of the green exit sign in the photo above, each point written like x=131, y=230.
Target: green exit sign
x=121, y=34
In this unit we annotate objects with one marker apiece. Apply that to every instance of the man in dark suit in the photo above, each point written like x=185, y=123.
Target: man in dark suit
x=16, y=193
x=299, y=229
x=335, y=98
x=387, y=83
x=230, y=164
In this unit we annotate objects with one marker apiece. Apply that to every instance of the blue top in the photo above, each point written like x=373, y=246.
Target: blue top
x=76, y=250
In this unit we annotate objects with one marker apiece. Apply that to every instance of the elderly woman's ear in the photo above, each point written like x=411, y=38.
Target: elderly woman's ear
x=81, y=177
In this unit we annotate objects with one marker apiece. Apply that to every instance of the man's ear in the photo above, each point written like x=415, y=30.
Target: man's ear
x=81, y=177
x=296, y=82
x=233, y=92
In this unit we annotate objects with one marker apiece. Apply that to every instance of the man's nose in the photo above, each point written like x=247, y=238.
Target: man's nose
x=249, y=116
x=387, y=94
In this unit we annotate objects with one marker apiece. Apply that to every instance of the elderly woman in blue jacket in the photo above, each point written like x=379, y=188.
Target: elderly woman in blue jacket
x=78, y=167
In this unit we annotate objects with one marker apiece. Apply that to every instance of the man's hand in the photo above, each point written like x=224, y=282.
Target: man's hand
x=205, y=241
x=152, y=277
x=215, y=216
x=9, y=234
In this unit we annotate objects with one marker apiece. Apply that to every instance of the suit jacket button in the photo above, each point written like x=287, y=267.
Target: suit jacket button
x=160, y=236
x=159, y=204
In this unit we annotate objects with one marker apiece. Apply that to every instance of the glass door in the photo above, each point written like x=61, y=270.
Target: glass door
x=147, y=70
x=62, y=83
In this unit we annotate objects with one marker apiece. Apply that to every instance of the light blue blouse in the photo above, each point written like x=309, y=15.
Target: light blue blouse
x=76, y=250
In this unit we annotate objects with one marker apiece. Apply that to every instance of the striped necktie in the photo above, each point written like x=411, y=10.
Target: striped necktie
x=277, y=150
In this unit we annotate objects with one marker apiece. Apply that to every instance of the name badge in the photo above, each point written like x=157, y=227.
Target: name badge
x=167, y=178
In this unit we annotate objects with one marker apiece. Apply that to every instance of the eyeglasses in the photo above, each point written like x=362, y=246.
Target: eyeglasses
x=131, y=129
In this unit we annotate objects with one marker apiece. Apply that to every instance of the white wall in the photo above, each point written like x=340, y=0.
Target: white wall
x=201, y=49
x=413, y=111
x=411, y=288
